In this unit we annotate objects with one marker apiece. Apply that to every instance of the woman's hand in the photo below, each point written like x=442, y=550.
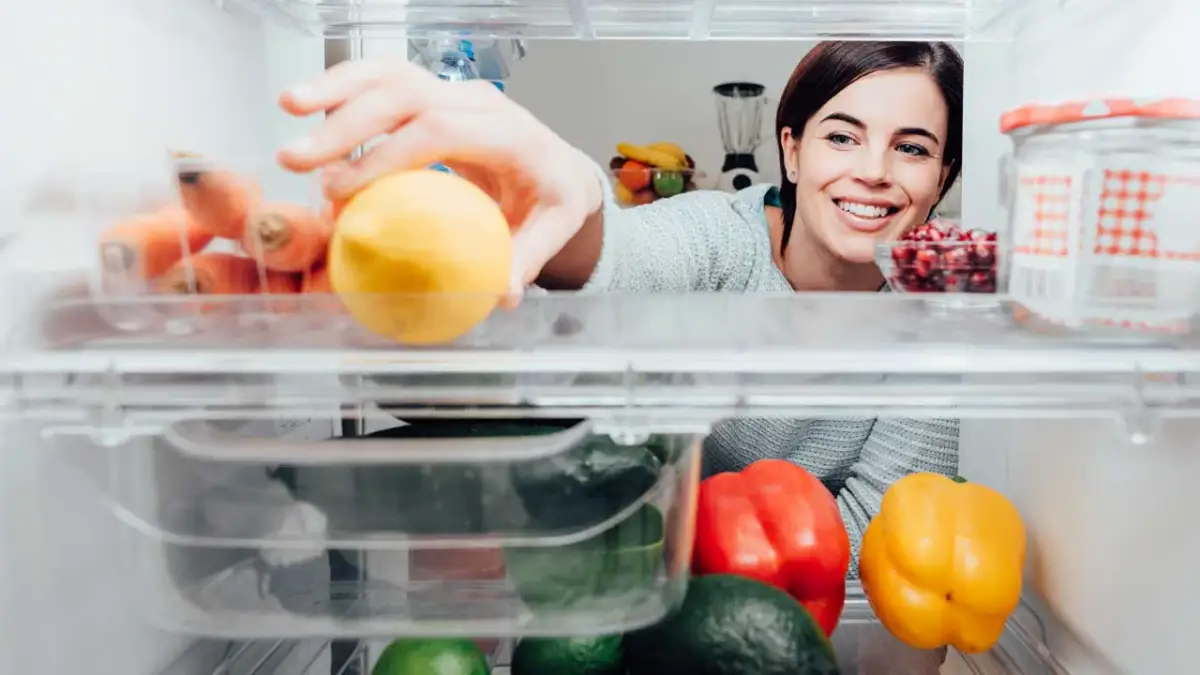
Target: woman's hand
x=546, y=188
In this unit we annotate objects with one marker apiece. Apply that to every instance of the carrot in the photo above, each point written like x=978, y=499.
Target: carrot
x=281, y=283
x=286, y=237
x=317, y=281
x=211, y=274
x=219, y=201
x=149, y=244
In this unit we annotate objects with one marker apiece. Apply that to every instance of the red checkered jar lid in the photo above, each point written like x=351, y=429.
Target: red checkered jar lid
x=1099, y=109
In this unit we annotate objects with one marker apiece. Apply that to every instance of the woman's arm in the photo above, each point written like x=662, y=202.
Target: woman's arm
x=893, y=448
x=699, y=241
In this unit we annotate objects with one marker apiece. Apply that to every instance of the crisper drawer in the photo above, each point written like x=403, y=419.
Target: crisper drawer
x=437, y=527
x=862, y=645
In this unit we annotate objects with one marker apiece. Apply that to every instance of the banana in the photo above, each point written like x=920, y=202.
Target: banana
x=671, y=149
x=655, y=158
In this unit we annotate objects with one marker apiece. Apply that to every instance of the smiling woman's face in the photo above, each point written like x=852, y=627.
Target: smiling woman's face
x=868, y=165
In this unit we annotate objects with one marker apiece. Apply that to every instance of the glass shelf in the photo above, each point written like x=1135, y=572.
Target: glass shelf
x=683, y=360
x=662, y=19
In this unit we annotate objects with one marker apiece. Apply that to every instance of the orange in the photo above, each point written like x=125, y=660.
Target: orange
x=421, y=257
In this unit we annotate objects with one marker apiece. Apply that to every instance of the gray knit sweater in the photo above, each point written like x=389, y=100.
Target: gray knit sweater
x=713, y=241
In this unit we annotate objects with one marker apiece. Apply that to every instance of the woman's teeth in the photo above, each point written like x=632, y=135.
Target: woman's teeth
x=863, y=210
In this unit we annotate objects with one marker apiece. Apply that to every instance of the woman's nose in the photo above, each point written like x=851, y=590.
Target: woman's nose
x=873, y=167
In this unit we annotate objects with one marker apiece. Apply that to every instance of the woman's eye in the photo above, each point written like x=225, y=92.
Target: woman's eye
x=839, y=139
x=913, y=150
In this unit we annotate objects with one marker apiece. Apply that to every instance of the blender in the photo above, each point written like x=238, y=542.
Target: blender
x=739, y=117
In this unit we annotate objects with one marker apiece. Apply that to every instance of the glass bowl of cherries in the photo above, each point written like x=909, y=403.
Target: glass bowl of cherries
x=940, y=257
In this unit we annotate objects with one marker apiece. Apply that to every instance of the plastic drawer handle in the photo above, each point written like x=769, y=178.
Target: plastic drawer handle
x=201, y=439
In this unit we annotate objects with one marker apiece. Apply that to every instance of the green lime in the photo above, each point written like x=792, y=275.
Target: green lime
x=432, y=657
x=569, y=656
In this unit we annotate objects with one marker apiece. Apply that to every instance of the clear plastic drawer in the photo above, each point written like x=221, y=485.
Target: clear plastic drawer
x=436, y=527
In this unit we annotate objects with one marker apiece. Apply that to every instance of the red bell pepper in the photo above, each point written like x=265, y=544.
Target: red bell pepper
x=776, y=523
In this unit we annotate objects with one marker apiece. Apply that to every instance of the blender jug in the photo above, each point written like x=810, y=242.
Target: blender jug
x=739, y=118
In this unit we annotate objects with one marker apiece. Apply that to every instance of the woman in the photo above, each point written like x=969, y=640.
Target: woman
x=870, y=138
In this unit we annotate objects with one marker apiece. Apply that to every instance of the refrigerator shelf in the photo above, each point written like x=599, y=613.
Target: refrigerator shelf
x=656, y=19
x=674, y=359
x=862, y=645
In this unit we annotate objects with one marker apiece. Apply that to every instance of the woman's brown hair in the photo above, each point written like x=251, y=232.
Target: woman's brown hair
x=830, y=67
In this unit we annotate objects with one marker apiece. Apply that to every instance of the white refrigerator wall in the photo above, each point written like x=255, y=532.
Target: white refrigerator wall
x=1113, y=532
x=87, y=82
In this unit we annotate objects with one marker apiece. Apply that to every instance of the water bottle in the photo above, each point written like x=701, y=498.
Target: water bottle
x=457, y=64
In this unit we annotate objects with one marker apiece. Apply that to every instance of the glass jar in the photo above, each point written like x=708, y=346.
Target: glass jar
x=1101, y=199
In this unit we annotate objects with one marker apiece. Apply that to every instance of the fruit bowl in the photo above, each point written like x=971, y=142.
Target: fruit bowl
x=646, y=173
x=940, y=259
x=635, y=186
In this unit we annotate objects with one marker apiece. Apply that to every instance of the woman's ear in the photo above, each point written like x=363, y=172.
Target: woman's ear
x=790, y=147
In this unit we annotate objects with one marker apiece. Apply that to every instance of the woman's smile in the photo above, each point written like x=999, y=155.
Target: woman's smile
x=865, y=215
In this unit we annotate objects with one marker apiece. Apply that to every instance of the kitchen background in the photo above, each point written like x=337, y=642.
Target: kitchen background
x=641, y=91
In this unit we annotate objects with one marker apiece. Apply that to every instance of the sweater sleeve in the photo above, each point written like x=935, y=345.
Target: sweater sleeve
x=893, y=449
x=697, y=241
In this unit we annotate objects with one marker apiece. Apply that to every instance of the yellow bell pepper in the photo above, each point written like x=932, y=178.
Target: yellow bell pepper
x=941, y=563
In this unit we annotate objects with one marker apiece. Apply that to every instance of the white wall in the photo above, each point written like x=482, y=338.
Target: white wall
x=596, y=94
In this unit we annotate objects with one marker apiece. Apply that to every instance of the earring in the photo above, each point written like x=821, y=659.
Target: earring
x=791, y=175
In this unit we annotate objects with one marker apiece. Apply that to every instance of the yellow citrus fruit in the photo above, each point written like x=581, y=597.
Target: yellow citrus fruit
x=420, y=257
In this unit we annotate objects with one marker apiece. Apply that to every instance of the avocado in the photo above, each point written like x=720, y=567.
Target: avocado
x=604, y=573
x=730, y=625
x=600, y=655
x=587, y=484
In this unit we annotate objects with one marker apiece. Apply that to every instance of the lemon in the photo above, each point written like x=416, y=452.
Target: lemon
x=420, y=257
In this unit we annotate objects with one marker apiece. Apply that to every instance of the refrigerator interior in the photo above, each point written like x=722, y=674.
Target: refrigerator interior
x=1107, y=501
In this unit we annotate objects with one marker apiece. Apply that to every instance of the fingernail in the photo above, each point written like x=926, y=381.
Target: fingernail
x=300, y=146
